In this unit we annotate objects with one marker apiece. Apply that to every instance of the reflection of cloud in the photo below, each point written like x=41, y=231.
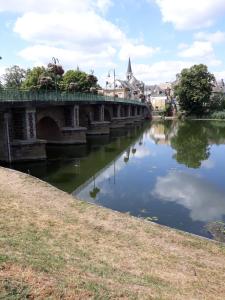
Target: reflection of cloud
x=208, y=164
x=205, y=201
x=142, y=152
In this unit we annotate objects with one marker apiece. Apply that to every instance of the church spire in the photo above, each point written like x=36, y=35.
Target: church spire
x=129, y=70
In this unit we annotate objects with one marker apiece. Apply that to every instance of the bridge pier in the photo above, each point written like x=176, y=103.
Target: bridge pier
x=5, y=136
x=100, y=126
x=18, y=137
x=120, y=119
x=126, y=118
x=117, y=123
x=27, y=147
x=72, y=133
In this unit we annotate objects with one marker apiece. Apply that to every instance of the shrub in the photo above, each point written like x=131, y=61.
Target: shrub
x=217, y=102
x=218, y=115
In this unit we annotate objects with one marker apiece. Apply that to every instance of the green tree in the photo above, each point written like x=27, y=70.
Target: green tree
x=191, y=144
x=56, y=72
x=217, y=102
x=194, y=89
x=14, y=77
x=33, y=77
x=76, y=80
x=41, y=78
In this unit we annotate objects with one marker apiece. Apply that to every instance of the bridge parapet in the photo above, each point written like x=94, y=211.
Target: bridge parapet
x=9, y=95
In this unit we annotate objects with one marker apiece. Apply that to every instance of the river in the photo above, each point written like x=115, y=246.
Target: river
x=171, y=172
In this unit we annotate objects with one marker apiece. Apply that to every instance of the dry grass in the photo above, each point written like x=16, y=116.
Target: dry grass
x=54, y=247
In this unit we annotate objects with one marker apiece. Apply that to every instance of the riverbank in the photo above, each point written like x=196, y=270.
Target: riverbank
x=55, y=247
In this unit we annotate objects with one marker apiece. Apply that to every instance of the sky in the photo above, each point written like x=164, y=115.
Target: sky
x=160, y=36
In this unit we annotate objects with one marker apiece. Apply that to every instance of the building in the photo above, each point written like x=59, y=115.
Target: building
x=159, y=95
x=131, y=88
x=219, y=87
x=156, y=96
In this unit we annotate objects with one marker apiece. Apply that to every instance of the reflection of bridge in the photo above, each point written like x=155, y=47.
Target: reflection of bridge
x=29, y=120
x=119, y=148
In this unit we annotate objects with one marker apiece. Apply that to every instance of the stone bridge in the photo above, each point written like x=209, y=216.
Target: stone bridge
x=29, y=120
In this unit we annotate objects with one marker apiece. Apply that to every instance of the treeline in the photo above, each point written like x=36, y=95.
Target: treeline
x=195, y=93
x=50, y=78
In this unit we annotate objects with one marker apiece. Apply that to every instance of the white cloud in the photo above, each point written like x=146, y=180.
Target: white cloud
x=191, y=14
x=162, y=71
x=219, y=75
x=201, y=52
x=83, y=38
x=197, y=49
x=214, y=38
x=204, y=200
x=68, y=29
x=74, y=31
x=182, y=46
x=166, y=70
x=45, y=6
x=40, y=54
x=135, y=50
x=104, y=5
x=2, y=71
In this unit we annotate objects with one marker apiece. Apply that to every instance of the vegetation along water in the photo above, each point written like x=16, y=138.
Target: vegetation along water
x=170, y=172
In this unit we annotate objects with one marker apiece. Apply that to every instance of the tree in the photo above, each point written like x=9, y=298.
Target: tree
x=217, y=102
x=194, y=89
x=41, y=78
x=191, y=144
x=78, y=81
x=14, y=77
x=33, y=77
x=56, y=72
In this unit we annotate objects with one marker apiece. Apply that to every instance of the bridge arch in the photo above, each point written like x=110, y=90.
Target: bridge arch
x=48, y=129
x=122, y=111
x=108, y=114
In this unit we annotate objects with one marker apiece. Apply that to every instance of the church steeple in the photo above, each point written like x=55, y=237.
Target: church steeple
x=129, y=70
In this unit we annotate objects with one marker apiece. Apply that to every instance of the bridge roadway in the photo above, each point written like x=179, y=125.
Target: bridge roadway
x=30, y=120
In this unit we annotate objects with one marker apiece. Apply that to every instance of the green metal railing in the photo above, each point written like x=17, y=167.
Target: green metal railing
x=9, y=95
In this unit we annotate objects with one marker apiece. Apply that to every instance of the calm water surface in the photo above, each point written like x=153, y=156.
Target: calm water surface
x=171, y=170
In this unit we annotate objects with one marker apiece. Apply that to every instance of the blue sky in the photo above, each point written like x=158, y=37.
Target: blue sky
x=161, y=36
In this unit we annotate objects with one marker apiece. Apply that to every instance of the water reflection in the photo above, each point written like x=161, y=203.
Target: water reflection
x=169, y=169
x=191, y=145
x=205, y=201
x=208, y=164
x=161, y=132
x=191, y=140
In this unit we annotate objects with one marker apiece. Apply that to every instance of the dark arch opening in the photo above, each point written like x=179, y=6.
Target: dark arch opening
x=48, y=129
x=84, y=117
x=115, y=111
x=107, y=115
x=122, y=112
x=96, y=113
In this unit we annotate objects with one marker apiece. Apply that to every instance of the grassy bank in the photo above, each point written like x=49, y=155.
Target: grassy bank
x=53, y=247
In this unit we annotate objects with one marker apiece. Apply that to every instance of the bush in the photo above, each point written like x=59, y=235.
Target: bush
x=167, y=112
x=218, y=115
x=217, y=102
